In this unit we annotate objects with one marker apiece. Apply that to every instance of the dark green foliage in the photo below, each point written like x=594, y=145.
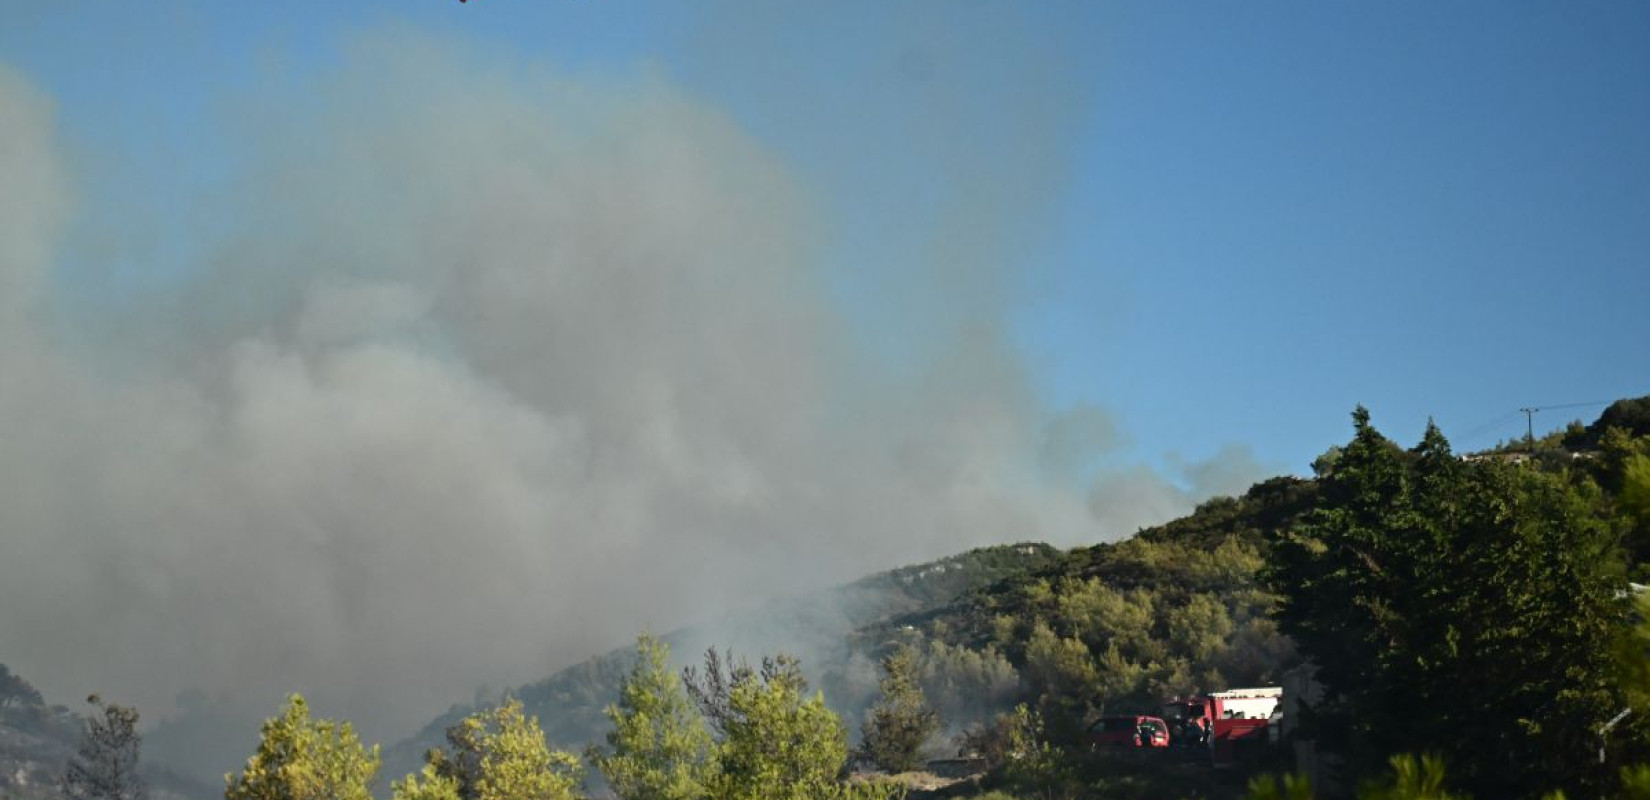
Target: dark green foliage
x=1409, y=778
x=106, y=766
x=1120, y=626
x=500, y=754
x=1016, y=750
x=962, y=684
x=460, y=763
x=773, y=740
x=913, y=588
x=1267, y=786
x=1632, y=416
x=16, y=692
x=1456, y=607
x=1619, y=468
x=898, y=727
x=1634, y=498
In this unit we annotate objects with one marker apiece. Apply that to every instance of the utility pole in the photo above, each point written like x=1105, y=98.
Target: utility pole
x=1529, y=427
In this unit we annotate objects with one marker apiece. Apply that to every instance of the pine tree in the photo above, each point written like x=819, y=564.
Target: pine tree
x=303, y=759
x=901, y=722
x=1456, y=608
x=105, y=768
x=659, y=748
x=16, y=691
x=781, y=745
x=499, y=754
x=429, y=784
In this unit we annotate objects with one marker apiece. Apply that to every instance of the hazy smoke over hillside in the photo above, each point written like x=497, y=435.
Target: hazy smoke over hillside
x=497, y=368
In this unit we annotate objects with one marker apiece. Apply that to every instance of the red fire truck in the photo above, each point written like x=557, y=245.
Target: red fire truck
x=1233, y=724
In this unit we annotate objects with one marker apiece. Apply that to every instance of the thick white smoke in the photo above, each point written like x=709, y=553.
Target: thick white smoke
x=498, y=368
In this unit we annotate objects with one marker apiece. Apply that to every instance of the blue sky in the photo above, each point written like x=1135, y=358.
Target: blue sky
x=1253, y=215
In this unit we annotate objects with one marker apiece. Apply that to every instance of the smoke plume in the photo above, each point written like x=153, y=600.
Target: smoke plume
x=496, y=368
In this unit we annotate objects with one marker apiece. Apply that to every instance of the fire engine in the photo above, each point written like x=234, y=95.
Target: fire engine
x=1233, y=724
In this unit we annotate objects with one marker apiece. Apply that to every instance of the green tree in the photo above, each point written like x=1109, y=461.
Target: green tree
x=1635, y=489
x=1634, y=503
x=1411, y=778
x=777, y=743
x=1101, y=616
x=1200, y=629
x=500, y=754
x=1629, y=741
x=965, y=685
x=429, y=784
x=1631, y=416
x=1014, y=746
x=1273, y=787
x=303, y=759
x=780, y=744
x=16, y=691
x=1059, y=666
x=1408, y=778
x=659, y=748
x=1457, y=608
x=901, y=721
x=106, y=766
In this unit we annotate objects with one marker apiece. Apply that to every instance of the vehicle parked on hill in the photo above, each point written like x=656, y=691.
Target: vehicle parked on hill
x=1127, y=731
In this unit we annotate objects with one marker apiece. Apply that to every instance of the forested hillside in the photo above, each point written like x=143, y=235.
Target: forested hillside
x=1451, y=604
x=36, y=739
x=39, y=739
x=1475, y=609
x=1118, y=626
x=816, y=627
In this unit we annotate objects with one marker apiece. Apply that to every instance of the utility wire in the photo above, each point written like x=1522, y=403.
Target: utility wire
x=1574, y=405
x=1528, y=412
x=1488, y=427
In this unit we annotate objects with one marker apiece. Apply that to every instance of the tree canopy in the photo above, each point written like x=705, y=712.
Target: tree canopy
x=659, y=748
x=900, y=724
x=1455, y=607
x=16, y=692
x=500, y=754
x=303, y=759
x=106, y=765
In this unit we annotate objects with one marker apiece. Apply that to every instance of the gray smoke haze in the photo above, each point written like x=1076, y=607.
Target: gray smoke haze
x=497, y=368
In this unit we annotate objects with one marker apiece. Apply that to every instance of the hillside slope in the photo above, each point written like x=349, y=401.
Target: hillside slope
x=818, y=627
x=1178, y=608
x=37, y=739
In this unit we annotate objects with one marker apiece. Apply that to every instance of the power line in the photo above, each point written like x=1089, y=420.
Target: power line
x=1487, y=427
x=1574, y=405
x=1529, y=416
x=1529, y=419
